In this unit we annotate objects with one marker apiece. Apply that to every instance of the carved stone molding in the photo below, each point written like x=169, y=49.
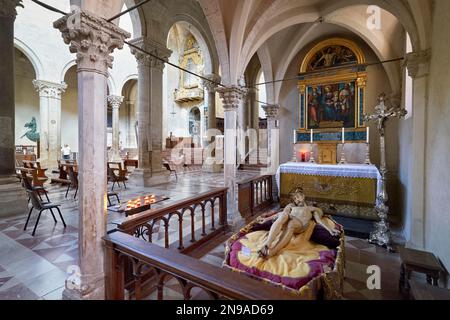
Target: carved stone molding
x=418, y=63
x=152, y=47
x=8, y=8
x=211, y=86
x=49, y=89
x=115, y=101
x=231, y=97
x=272, y=111
x=92, y=38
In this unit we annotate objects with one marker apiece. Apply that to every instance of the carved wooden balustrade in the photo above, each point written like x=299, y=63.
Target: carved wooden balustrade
x=255, y=195
x=167, y=264
x=204, y=206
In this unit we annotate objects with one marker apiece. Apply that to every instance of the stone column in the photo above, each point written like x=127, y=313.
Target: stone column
x=418, y=64
x=114, y=153
x=13, y=198
x=150, y=77
x=254, y=125
x=242, y=126
x=273, y=140
x=211, y=165
x=93, y=40
x=50, y=113
x=231, y=97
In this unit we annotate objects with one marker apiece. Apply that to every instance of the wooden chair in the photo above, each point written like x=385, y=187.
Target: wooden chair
x=168, y=166
x=73, y=181
x=112, y=194
x=35, y=179
x=114, y=178
x=39, y=205
x=35, y=165
x=27, y=185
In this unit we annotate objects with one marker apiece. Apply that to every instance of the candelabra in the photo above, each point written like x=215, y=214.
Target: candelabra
x=381, y=235
x=343, y=160
x=311, y=157
x=367, y=161
x=294, y=154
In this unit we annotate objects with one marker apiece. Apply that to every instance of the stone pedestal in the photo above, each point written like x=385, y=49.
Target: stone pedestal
x=50, y=113
x=150, y=117
x=114, y=152
x=93, y=40
x=231, y=97
x=273, y=140
x=211, y=164
x=13, y=199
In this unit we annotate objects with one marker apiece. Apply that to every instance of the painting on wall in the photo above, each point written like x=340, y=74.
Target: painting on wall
x=331, y=106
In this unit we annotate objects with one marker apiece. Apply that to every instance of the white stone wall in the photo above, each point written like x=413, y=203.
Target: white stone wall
x=437, y=186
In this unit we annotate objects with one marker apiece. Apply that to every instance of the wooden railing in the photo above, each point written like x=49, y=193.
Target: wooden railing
x=255, y=195
x=123, y=250
x=204, y=206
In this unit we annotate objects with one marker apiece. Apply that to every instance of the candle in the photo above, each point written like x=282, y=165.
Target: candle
x=343, y=135
x=312, y=136
x=295, y=137
x=368, y=132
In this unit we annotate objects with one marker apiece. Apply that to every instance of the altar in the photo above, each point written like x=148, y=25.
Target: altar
x=348, y=190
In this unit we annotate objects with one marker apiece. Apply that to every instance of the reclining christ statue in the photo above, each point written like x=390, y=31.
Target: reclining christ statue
x=293, y=220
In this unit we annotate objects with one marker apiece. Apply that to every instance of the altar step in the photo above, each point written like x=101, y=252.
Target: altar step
x=353, y=227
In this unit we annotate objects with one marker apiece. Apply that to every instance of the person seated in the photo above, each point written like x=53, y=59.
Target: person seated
x=293, y=220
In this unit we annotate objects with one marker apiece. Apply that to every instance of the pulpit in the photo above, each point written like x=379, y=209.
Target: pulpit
x=348, y=190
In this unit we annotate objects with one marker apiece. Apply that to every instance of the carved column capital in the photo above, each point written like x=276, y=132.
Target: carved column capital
x=8, y=8
x=231, y=97
x=152, y=47
x=115, y=101
x=211, y=85
x=272, y=111
x=418, y=63
x=92, y=38
x=50, y=89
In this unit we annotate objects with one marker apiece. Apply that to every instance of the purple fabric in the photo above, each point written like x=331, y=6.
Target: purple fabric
x=321, y=236
x=327, y=258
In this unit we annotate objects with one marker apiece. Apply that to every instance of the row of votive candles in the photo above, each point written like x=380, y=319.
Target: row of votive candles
x=136, y=203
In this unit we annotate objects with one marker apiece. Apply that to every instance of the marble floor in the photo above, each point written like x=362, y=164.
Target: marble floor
x=36, y=267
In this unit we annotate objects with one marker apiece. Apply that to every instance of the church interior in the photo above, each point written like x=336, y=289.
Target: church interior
x=224, y=150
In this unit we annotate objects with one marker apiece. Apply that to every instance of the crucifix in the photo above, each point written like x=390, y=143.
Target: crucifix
x=381, y=235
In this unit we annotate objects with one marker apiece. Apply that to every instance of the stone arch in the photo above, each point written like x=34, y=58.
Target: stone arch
x=66, y=68
x=32, y=57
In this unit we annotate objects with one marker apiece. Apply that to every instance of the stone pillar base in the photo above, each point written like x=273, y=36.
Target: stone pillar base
x=149, y=178
x=211, y=166
x=13, y=198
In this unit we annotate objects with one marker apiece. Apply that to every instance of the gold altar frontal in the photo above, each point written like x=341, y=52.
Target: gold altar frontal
x=337, y=195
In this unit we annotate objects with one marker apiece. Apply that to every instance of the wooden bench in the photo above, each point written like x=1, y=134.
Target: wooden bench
x=63, y=174
x=421, y=262
x=424, y=291
x=33, y=176
x=35, y=165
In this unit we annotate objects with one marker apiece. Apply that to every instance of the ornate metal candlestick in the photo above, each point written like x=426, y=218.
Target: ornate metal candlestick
x=294, y=154
x=311, y=157
x=381, y=235
x=367, y=161
x=343, y=160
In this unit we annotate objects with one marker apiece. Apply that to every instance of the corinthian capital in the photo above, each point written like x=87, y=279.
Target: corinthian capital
x=231, y=97
x=418, y=63
x=8, y=8
x=92, y=38
x=271, y=111
x=152, y=47
x=49, y=89
x=212, y=84
x=115, y=101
